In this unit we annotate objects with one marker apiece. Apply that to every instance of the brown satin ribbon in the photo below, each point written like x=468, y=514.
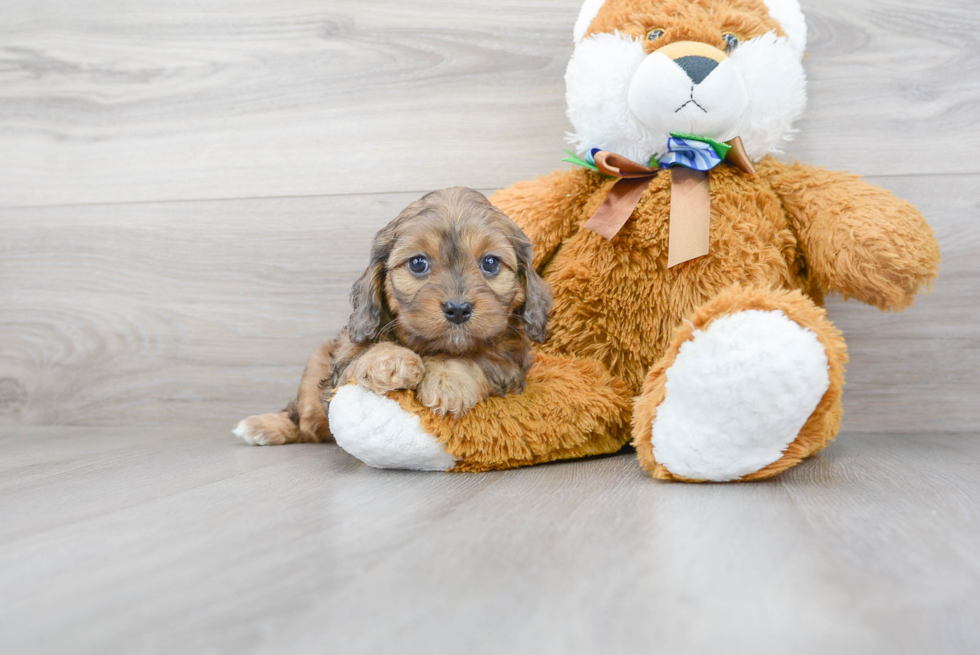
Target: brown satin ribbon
x=690, y=201
x=624, y=195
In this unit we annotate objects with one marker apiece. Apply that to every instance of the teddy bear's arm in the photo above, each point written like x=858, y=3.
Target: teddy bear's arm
x=548, y=209
x=858, y=239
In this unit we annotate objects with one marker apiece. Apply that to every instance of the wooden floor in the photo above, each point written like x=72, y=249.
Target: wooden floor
x=171, y=540
x=187, y=191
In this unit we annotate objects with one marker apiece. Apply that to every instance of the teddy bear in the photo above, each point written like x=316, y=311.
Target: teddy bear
x=688, y=264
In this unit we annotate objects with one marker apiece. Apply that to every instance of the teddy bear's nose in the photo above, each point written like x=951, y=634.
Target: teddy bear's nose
x=696, y=67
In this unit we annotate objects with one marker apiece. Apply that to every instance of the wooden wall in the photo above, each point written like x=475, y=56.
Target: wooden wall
x=188, y=189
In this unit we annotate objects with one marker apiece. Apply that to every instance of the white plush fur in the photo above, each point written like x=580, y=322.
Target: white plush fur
x=589, y=10
x=664, y=99
x=776, y=84
x=598, y=86
x=737, y=395
x=597, y=83
x=377, y=431
x=790, y=17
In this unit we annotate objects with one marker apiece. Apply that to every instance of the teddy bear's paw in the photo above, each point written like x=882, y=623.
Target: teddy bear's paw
x=737, y=394
x=377, y=431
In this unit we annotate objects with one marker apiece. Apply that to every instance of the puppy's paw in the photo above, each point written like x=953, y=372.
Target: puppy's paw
x=313, y=425
x=266, y=430
x=451, y=387
x=388, y=367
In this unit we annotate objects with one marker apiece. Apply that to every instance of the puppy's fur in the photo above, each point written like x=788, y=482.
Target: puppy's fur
x=400, y=336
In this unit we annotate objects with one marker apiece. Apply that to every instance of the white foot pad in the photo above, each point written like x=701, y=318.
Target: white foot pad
x=377, y=431
x=737, y=395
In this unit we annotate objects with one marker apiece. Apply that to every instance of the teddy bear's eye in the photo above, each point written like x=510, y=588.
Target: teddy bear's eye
x=654, y=34
x=731, y=41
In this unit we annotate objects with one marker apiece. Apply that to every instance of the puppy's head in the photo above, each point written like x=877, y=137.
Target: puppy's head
x=450, y=274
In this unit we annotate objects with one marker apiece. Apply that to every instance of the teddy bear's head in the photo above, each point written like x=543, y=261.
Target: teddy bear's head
x=720, y=69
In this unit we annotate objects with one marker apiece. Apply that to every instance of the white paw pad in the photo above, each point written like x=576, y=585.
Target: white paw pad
x=737, y=395
x=377, y=431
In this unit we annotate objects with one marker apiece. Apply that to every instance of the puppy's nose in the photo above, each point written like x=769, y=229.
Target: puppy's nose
x=696, y=67
x=457, y=312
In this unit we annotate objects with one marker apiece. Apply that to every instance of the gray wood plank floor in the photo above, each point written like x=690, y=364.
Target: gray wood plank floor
x=163, y=540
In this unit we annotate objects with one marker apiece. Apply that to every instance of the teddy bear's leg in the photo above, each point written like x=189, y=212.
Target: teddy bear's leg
x=749, y=387
x=570, y=408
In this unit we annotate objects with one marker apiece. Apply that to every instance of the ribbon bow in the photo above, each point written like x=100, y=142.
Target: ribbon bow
x=693, y=152
x=688, y=159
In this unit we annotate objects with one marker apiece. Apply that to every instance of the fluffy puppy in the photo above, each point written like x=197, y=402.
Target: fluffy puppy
x=448, y=307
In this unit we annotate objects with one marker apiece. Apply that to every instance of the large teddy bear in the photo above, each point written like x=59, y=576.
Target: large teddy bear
x=688, y=265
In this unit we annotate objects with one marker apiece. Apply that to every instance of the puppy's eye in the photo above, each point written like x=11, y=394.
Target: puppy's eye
x=490, y=265
x=654, y=34
x=418, y=264
x=731, y=41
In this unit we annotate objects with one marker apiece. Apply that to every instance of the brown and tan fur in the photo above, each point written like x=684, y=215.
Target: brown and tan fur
x=399, y=337
x=779, y=240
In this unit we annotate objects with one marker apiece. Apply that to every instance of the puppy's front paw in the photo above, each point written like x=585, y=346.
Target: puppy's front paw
x=388, y=367
x=451, y=387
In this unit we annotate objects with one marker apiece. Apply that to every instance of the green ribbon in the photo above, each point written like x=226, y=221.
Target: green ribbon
x=720, y=148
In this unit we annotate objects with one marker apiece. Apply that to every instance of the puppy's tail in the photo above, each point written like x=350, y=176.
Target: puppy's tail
x=268, y=430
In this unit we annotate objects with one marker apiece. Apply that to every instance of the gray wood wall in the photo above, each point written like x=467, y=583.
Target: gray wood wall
x=188, y=189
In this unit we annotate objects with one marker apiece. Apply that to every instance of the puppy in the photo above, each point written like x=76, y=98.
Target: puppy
x=448, y=307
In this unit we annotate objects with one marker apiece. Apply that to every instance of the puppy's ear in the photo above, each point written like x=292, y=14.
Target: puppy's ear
x=367, y=294
x=537, y=302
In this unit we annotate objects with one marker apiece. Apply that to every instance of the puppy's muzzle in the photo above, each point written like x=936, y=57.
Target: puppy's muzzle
x=457, y=312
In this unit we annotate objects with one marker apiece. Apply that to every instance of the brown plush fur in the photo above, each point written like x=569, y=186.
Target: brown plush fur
x=858, y=240
x=685, y=20
x=570, y=408
x=620, y=313
x=617, y=302
x=398, y=335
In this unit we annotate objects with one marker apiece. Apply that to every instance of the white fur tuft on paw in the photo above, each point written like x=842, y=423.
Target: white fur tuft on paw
x=737, y=395
x=377, y=431
x=244, y=432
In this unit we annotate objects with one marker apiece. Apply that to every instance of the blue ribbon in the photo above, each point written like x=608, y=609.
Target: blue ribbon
x=691, y=154
x=699, y=155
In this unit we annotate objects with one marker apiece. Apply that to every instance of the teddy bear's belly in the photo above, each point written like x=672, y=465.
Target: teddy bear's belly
x=616, y=301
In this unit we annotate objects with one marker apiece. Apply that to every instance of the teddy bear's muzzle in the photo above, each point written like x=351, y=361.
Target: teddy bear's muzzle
x=688, y=87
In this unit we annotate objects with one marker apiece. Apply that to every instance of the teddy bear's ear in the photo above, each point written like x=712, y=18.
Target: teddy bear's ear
x=589, y=10
x=789, y=15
